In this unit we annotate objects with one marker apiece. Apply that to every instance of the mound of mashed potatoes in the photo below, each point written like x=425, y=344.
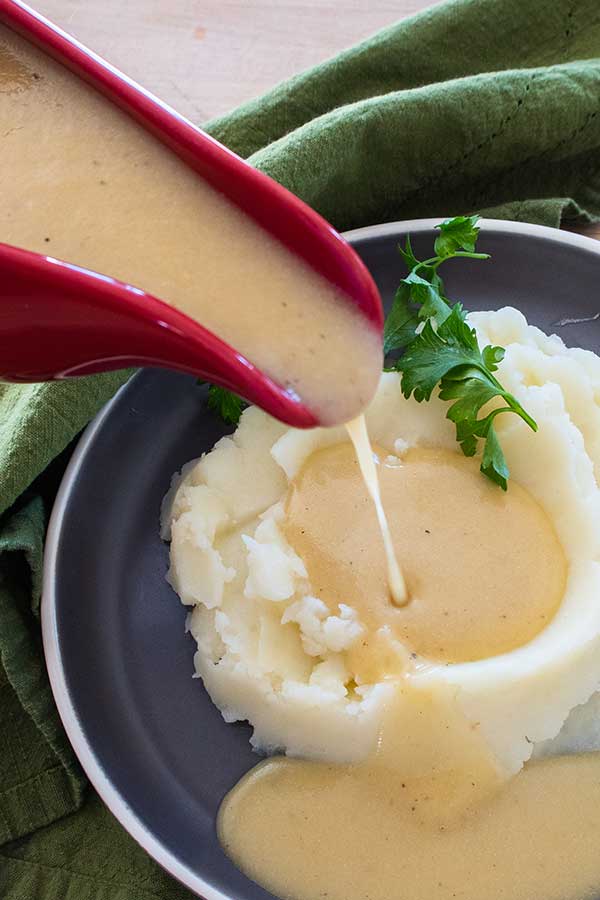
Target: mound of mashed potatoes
x=271, y=652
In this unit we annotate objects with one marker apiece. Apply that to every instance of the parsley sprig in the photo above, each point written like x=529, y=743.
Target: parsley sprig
x=224, y=403
x=440, y=348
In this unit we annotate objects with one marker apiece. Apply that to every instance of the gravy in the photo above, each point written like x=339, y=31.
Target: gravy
x=484, y=569
x=429, y=816
x=83, y=182
x=357, y=430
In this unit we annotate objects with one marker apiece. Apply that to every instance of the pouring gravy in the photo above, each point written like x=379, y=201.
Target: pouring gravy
x=81, y=181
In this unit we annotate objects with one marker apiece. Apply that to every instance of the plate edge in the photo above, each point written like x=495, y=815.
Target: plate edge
x=503, y=226
x=112, y=798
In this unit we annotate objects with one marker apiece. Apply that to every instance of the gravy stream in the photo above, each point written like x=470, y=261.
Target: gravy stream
x=83, y=182
x=357, y=430
x=429, y=816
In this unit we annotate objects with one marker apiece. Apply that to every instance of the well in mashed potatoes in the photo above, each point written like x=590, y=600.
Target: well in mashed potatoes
x=273, y=651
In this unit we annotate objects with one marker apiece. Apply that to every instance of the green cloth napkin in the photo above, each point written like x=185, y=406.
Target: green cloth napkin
x=487, y=105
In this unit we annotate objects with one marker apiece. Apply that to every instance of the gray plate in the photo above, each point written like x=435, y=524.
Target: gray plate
x=120, y=664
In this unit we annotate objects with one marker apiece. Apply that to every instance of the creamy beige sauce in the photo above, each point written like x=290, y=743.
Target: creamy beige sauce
x=429, y=816
x=484, y=569
x=357, y=431
x=81, y=181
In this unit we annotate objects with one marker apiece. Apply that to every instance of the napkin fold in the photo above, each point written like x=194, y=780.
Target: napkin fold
x=473, y=105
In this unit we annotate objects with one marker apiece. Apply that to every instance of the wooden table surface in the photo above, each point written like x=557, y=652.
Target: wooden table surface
x=206, y=56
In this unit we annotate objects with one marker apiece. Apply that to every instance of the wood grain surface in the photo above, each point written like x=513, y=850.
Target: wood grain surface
x=206, y=56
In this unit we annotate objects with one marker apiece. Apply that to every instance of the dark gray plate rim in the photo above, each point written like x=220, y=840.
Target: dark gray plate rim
x=115, y=800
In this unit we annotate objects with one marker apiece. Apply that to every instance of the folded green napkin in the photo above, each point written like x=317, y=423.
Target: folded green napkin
x=488, y=105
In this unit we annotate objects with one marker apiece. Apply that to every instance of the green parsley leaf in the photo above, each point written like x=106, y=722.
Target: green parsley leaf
x=401, y=324
x=432, y=354
x=456, y=234
x=492, y=356
x=225, y=403
x=470, y=393
x=493, y=463
x=407, y=255
x=426, y=295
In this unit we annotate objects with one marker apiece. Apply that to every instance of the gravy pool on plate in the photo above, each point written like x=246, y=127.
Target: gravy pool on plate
x=428, y=816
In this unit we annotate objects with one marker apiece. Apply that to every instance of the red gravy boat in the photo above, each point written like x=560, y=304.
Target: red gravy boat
x=58, y=319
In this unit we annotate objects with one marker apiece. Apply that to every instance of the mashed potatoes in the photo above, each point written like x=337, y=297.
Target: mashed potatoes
x=272, y=652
